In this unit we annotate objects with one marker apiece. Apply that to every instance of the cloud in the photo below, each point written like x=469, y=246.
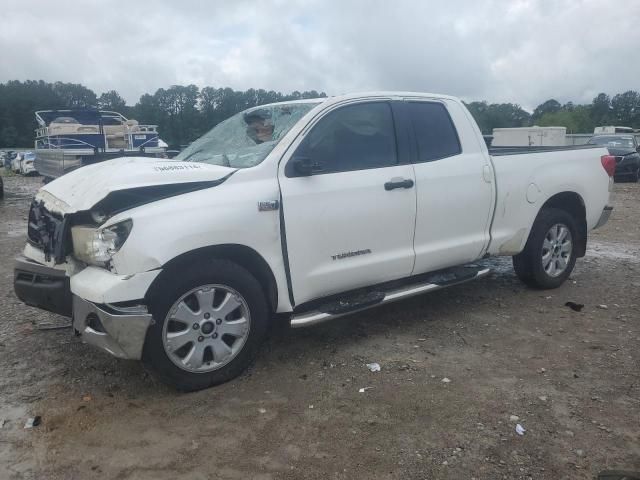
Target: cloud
x=513, y=51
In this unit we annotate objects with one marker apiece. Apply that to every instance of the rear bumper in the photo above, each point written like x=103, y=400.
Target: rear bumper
x=42, y=287
x=604, y=217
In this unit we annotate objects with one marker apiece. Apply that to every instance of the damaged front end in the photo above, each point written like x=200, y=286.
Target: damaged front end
x=48, y=232
x=67, y=268
x=37, y=284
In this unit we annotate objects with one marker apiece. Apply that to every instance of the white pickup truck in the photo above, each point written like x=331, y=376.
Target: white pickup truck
x=313, y=209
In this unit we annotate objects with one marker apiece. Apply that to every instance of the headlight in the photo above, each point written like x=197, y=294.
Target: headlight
x=97, y=245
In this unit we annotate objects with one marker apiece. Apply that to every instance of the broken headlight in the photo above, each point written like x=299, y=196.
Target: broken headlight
x=96, y=246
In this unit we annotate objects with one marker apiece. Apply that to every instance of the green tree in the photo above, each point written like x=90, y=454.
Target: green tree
x=550, y=106
x=498, y=115
x=74, y=95
x=576, y=119
x=626, y=109
x=112, y=100
x=601, y=109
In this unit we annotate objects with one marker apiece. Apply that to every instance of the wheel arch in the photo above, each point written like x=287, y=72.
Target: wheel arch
x=573, y=204
x=244, y=256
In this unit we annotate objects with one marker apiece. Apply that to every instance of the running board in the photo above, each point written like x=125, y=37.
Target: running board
x=364, y=301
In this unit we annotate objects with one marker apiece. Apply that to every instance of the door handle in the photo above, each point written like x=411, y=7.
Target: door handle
x=487, y=174
x=398, y=183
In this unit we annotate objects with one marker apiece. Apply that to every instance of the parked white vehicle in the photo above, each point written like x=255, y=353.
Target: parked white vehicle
x=15, y=162
x=27, y=166
x=312, y=209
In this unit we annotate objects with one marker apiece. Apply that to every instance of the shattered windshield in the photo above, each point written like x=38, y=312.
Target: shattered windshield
x=246, y=139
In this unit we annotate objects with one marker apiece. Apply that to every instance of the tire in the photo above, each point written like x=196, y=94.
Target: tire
x=540, y=266
x=635, y=176
x=192, y=358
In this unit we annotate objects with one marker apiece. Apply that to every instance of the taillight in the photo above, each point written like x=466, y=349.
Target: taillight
x=609, y=164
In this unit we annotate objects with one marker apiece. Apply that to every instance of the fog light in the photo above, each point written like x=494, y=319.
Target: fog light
x=93, y=322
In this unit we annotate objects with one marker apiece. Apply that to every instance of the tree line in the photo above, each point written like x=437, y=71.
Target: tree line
x=622, y=109
x=183, y=113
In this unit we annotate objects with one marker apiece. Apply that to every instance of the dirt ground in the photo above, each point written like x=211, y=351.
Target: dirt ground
x=572, y=378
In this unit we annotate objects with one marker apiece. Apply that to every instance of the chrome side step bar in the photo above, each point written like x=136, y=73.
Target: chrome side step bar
x=311, y=318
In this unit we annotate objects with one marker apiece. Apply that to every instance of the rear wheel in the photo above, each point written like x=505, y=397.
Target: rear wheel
x=209, y=324
x=549, y=256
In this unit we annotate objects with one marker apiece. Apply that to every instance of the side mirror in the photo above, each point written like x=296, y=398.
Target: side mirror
x=304, y=167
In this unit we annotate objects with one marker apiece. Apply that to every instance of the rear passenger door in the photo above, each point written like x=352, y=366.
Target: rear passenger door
x=349, y=223
x=454, y=185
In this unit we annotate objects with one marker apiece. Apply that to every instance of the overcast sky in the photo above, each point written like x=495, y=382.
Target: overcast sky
x=503, y=51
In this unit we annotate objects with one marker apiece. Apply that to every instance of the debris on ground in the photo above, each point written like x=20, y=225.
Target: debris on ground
x=514, y=418
x=262, y=410
x=520, y=429
x=445, y=380
x=603, y=307
x=33, y=422
x=542, y=398
x=87, y=398
x=576, y=307
x=374, y=367
x=364, y=389
x=542, y=370
x=44, y=326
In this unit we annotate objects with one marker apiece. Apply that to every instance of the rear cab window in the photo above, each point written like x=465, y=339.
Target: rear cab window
x=436, y=135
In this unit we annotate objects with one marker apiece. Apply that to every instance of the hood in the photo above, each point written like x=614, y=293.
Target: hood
x=621, y=151
x=128, y=182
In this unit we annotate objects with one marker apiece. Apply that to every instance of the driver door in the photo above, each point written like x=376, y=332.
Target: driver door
x=349, y=222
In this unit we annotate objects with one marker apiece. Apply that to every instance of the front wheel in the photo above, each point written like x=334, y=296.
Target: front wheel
x=209, y=321
x=549, y=256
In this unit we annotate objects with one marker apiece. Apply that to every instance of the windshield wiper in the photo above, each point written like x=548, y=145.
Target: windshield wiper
x=186, y=159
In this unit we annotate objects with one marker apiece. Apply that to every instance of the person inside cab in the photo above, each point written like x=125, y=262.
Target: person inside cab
x=259, y=125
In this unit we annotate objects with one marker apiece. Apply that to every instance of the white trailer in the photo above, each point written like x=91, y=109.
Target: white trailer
x=611, y=130
x=529, y=137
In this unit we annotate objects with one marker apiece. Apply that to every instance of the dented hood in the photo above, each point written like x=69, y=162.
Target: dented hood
x=129, y=179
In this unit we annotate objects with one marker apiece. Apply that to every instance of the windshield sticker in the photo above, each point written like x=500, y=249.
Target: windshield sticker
x=169, y=168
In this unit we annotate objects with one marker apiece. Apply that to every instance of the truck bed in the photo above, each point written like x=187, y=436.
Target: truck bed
x=497, y=151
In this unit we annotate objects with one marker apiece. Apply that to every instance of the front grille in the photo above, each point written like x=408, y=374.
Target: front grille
x=46, y=231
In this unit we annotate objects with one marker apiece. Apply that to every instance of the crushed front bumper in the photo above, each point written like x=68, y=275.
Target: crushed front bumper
x=43, y=287
x=119, y=330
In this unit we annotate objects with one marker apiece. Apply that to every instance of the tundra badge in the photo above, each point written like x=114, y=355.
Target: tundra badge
x=340, y=256
x=268, y=206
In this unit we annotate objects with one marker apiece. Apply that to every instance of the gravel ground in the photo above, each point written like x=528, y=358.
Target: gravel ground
x=571, y=378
